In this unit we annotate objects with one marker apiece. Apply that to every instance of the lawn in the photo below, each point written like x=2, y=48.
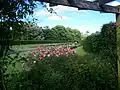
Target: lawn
x=24, y=47
x=18, y=65
x=80, y=51
x=32, y=46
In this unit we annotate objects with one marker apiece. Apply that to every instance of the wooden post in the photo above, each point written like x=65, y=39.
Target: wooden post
x=118, y=47
x=118, y=19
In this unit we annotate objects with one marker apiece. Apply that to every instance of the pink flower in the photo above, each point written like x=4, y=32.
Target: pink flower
x=41, y=57
x=53, y=51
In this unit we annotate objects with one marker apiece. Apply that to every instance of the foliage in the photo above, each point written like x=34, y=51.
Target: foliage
x=92, y=43
x=10, y=11
x=118, y=37
x=105, y=40
x=118, y=52
x=104, y=44
x=59, y=32
x=53, y=73
x=31, y=31
x=12, y=27
x=25, y=31
x=67, y=73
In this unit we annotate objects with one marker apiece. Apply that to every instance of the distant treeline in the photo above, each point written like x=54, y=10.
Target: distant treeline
x=31, y=31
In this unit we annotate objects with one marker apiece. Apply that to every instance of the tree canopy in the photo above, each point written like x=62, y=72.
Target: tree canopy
x=31, y=31
x=105, y=40
x=10, y=11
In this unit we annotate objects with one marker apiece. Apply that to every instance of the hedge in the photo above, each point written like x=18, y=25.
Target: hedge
x=23, y=42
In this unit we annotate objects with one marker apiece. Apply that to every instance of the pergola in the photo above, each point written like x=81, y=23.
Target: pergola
x=96, y=5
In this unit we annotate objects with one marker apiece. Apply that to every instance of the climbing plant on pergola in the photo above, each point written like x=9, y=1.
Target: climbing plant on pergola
x=96, y=5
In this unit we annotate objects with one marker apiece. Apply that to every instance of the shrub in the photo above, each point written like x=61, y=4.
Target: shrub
x=68, y=73
x=105, y=40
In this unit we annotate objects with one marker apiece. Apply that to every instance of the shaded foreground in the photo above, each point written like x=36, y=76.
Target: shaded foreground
x=78, y=71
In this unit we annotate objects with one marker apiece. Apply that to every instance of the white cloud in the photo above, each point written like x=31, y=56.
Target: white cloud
x=61, y=9
x=41, y=13
x=54, y=17
x=50, y=16
x=114, y=3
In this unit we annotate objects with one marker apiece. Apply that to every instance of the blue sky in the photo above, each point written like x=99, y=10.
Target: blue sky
x=83, y=20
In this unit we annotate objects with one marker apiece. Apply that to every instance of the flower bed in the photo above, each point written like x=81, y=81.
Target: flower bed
x=53, y=51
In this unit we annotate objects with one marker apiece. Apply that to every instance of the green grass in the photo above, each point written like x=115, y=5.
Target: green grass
x=18, y=64
x=11, y=69
x=31, y=46
x=24, y=54
x=80, y=51
x=24, y=47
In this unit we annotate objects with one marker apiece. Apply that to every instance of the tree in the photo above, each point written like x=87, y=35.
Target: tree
x=60, y=32
x=104, y=45
x=92, y=43
x=108, y=33
x=17, y=30
x=10, y=11
x=103, y=41
x=34, y=32
x=26, y=31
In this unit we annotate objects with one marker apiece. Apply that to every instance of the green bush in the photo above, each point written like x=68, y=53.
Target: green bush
x=67, y=73
x=92, y=44
x=105, y=40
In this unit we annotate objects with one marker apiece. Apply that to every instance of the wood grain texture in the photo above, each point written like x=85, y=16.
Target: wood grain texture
x=86, y=5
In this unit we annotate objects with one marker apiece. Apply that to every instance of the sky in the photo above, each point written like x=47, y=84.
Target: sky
x=83, y=20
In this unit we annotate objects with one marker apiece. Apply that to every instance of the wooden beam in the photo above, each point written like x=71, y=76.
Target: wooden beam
x=81, y=4
x=102, y=2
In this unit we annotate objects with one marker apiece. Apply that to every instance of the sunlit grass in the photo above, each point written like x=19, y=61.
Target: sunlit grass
x=24, y=47
x=31, y=46
x=80, y=51
x=18, y=66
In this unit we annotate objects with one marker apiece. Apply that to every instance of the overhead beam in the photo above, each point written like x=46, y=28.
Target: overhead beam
x=81, y=4
x=102, y=2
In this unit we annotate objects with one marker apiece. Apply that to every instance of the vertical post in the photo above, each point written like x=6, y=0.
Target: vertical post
x=118, y=46
x=118, y=19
